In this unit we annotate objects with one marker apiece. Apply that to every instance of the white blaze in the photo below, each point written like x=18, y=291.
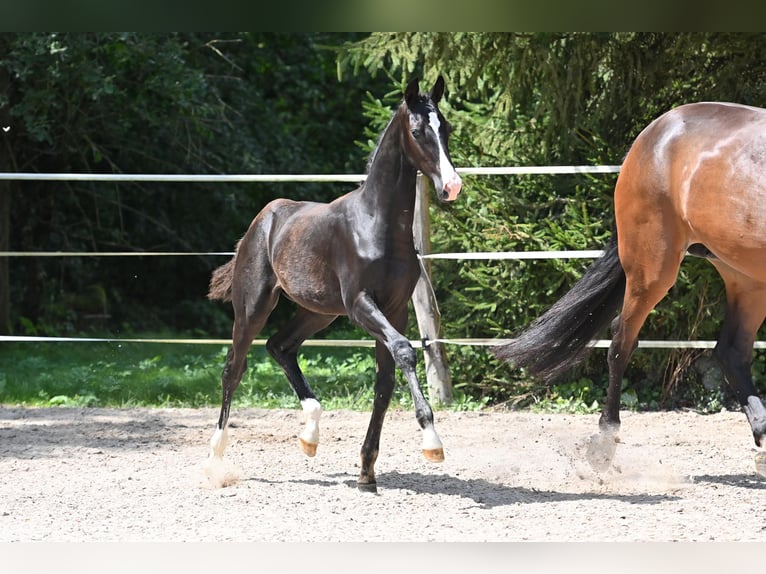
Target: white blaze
x=445, y=167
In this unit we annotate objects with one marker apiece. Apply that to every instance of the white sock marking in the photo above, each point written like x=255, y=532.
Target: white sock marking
x=431, y=439
x=219, y=473
x=313, y=411
x=218, y=442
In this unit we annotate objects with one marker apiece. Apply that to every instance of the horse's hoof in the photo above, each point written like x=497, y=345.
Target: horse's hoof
x=370, y=487
x=308, y=447
x=601, y=449
x=760, y=464
x=434, y=454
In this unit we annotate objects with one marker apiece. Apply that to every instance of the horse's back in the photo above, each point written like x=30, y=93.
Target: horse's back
x=698, y=170
x=281, y=219
x=693, y=134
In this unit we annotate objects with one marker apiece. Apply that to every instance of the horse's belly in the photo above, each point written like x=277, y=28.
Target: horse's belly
x=750, y=261
x=310, y=283
x=727, y=214
x=316, y=300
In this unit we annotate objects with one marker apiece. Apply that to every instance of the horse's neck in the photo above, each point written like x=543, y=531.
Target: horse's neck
x=390, y=184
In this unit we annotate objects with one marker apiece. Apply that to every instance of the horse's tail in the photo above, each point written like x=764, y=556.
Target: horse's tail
x=221, y=280
x=558, y=339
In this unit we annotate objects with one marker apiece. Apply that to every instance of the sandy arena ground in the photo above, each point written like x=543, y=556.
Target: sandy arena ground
x=138, y=475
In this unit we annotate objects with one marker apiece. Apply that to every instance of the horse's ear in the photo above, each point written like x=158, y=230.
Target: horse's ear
x=438, y=90
x=412, y=91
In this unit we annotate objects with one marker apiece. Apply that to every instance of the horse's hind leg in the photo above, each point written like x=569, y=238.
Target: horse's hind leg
x=283, y=346
x=250, y=315
x=647, y=281
x=745, y=312
x=649, y=274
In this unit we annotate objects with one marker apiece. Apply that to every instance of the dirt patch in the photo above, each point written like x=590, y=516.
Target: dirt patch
x=138, y=475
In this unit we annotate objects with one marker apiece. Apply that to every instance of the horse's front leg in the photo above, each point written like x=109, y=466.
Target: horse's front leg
x=367, y=315
x=384, y=388
x=406, y=358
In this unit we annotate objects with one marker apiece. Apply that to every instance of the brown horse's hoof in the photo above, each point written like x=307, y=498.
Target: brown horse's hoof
x=434, y=454
x=760, y=464
x=309, y=448
x=370, y=487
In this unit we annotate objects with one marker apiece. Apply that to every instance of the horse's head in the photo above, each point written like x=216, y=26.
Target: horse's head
x=426, y=139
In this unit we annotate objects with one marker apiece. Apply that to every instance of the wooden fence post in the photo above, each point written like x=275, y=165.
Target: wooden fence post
x=424, y=302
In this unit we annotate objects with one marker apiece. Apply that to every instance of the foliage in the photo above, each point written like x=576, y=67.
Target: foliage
x=575, y=397
x=160, y=103
x=571, y=99
x=273, y=103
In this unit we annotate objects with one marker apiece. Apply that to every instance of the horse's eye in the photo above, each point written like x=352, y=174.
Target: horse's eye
x=416, y=132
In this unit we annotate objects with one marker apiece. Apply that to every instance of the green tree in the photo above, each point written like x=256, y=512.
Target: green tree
x=158, y=103
x=556, y=98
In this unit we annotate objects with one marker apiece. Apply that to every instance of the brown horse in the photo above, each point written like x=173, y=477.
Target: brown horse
x=694, y=181
x=354, y=256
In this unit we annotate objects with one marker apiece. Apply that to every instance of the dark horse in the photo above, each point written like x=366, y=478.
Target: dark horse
x=354, y=256
x=694, y=181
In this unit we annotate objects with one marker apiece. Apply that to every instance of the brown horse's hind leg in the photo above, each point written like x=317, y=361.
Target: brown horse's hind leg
x=647, y=282
x=283, y=346
x=651, y=269
x=745, y=312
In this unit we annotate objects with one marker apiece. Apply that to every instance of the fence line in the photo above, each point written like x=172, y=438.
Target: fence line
x=308, y=343
x=276, y=178
x=109, y=253
x=369, y=343
x=184, y=178
x=353, y=178
x=584, y=254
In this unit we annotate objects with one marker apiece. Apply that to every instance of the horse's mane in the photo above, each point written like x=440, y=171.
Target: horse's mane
x=374, y=151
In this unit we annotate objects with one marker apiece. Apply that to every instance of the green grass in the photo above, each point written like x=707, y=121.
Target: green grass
x=577, y=397
x=184, y=375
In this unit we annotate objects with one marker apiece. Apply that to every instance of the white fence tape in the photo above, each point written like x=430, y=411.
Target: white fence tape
x=308, y=343
x=599, y=344
x=269, y=178
x=584, y=254
x=183, y=178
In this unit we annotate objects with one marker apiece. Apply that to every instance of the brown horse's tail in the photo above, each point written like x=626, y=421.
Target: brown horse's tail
x=560, y=337
x=221, y=280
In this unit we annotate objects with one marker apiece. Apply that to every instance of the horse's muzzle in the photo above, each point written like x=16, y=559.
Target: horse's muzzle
x=451, y=188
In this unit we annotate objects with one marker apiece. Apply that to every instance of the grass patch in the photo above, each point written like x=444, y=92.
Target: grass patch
x=184, y=375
